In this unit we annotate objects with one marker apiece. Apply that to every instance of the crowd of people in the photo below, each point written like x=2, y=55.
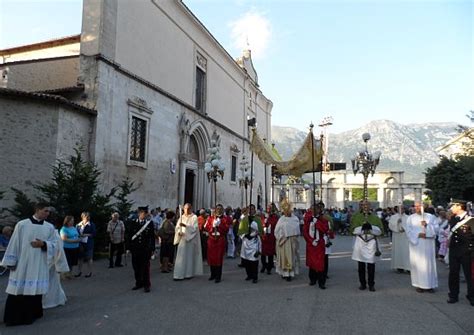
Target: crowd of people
x=264, y=240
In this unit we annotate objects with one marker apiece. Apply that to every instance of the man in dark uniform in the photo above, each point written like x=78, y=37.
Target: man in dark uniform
x=142, y=246
x=461, y=251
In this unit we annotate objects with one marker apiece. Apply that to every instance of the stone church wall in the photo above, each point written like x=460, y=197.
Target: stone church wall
x=34, y=135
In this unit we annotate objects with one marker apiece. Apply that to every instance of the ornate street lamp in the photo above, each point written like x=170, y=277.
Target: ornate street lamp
x=365, y=163
x=214, y=167
x=245, y=178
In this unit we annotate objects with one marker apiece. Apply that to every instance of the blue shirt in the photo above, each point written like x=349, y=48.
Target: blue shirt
x=70, y=233
x=4, y=241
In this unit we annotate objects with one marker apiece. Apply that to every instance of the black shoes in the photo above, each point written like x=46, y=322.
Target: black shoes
x=218, y=280
x=211, y=278
x=452, y=301
x=136, y=287
x=262, y=270
x=312, y=283
x=362, y=287
x=255, y=281
x=322, y=287
x=88, y=275
x=147, y=290
x=371, y=289
x=269, y=272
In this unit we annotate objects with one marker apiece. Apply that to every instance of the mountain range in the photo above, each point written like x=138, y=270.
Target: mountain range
x=404, y=147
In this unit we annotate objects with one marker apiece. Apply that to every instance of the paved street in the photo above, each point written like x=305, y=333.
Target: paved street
x=105, y=304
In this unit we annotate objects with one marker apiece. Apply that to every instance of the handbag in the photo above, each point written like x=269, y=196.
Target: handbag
x=378, y=253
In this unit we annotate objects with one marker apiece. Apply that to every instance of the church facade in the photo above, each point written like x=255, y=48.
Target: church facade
x=150, y=88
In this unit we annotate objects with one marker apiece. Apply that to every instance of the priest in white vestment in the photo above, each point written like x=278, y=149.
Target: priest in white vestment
x=188, y=262
x=287, y=231
x=55, y=295
x=400, y=249
x=421, y=236
x=31, y=248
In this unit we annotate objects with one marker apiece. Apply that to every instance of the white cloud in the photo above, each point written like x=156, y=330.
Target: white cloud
x=251, y=31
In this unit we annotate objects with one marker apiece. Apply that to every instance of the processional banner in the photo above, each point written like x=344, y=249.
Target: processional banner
x=303, y=161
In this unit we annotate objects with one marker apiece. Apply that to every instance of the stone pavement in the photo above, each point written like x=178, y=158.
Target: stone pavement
x=105, y=303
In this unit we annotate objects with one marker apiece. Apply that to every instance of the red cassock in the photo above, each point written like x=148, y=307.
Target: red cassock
x=216, y=243
x=268, y=240
x=315, y=254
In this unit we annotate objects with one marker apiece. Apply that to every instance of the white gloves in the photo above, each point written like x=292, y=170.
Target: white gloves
x=315, y=242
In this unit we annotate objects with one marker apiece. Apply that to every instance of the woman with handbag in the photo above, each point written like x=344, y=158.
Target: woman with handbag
x=86, y=246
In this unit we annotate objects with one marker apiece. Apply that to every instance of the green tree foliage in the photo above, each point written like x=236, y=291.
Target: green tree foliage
x=123, y=205
x=74, y=189
x=358, y=194
x=23, y=207
x=451, y=179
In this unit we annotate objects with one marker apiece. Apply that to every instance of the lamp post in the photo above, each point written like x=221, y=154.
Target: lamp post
x=324, y=146
x=245, y=178
x=252, y=125
x=365, y=163
x=265, y=178
x=214, y=167
x=275, y=180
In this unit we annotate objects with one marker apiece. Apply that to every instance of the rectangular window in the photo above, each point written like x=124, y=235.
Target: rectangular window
x=138, y=139
x=233, y=170
x=200, y=90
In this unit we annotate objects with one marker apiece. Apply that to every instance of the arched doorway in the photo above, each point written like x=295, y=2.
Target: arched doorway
x=194, y=186
x=191, y=173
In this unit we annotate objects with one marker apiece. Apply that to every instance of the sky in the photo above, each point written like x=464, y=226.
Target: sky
x=353, y=60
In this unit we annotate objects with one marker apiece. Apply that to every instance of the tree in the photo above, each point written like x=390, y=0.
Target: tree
x=74, y=189
x=358, y=194
x=467, y=140
x=23, y=207
x=123, y=205
x=451, y=179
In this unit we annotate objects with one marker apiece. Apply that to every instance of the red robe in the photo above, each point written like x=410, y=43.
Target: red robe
x=315, y=254
x=216, y=243
x=268, y=240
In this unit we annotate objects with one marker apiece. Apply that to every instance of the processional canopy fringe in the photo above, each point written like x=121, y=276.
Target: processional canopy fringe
x=301, y=162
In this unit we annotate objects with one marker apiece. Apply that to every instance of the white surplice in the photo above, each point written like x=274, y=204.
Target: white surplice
x=31, y=273
x=55, y=295
x=287, y=231
x=422, y=251
x=364, y=249
x=188, y=262
x=230, y=243
x=400, y=248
